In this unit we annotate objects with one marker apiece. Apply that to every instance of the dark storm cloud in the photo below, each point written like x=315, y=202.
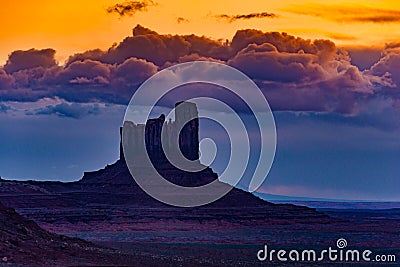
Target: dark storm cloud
x=347, y=13
x=232, y=18
x=130, y=8
x=21, y=60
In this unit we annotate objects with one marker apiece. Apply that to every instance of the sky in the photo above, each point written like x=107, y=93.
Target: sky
x=330, y=71
x=73, y=26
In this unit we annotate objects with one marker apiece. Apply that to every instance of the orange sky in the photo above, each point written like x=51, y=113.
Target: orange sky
x=72, y=26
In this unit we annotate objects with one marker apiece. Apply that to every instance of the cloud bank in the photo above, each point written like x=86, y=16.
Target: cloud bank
x=295, y=74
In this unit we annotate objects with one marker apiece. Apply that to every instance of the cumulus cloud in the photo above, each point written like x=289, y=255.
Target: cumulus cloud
x=348, y=13
x=22, y=60
x=265, y=62
x=130, y=8
x=294, y=73
x=134, y=71
x=89, y=80
x=232, y=18
x=156, y=48
x=81, y=80
x=389, y=64
x=144, y=44
x=283, y=42
x=89, y=70
x=298, y=74
x=6, y=80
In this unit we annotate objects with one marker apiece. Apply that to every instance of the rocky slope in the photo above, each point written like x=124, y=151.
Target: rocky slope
x=108, y=207
x=22, y=241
